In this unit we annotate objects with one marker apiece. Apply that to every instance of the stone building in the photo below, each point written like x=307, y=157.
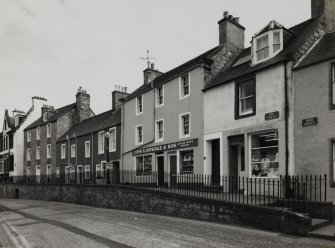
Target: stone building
x=41, y=135
x=90, y=149
x=12, y=140
x=163, y=119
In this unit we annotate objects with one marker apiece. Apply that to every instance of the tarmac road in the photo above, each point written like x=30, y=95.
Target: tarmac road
x=48, y=224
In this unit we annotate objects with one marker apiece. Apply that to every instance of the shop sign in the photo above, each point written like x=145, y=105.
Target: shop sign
x=272, y=116
x=252, y=129
x=109, y=166
x=167, y=147
x=310, y=122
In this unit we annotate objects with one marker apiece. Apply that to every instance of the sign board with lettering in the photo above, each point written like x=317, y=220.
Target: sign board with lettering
x=310, y=122
x=167, y=147
x=272, y=116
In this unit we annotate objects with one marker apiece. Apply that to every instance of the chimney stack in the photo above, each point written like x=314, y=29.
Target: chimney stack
x=151, y=73
x=83, y=110
x=118, y=94
x=325, y=8
x=231, y=32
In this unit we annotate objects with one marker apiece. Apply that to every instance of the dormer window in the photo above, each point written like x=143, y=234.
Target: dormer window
x=267, y=44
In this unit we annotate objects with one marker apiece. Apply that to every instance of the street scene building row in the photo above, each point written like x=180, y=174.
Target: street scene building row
x=259, y=112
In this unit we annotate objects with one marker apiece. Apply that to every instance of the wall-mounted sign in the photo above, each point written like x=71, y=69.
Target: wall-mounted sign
x=167, y=147
x=272, y=116
x=310, y=122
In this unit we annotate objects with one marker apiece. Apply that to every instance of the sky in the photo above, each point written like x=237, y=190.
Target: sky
x=49, y=48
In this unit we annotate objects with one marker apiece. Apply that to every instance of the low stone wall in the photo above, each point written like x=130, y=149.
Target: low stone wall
x=147, y=201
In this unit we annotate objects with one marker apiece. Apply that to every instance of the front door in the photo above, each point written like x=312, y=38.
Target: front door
x=116, y=173
x=173, y=170
x=80, y=175
x=160, y=167
x=216, y=162
x=236, y=160
x=38, y=174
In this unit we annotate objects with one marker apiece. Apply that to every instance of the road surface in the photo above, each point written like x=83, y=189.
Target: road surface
x=49, y=224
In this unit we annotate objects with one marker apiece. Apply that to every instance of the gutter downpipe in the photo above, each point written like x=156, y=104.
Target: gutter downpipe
x=286, y=122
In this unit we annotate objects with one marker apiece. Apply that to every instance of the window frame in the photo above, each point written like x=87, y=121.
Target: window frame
x=45, y=116
x=238, y=115
x=48, y=151
x=28, y=154
x=38, y=153
x=332, y=86
x=158, y=105
x=87, y=153
x=85, y=170
x=138, y=112
x=63, y=152
x=181, y=86
x=157, y=139
x=112, y=147
x=73, y=150
x=137, y=136
x=29, y=135
x=181, y=125
x=38, y=133
x=49, y=130
x=101, y=142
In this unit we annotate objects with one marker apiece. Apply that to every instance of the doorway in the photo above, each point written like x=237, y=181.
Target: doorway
x=80, y=174
x=38, y=174
x=216, y=162
x=160, y=168
x=116, y=172
x=173, y=170
x=236, y=160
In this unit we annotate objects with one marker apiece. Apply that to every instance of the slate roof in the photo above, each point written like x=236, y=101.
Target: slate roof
x=299, y=34
x=173, y=73
x=324, y=50
x=60, y=112
x=94, y=124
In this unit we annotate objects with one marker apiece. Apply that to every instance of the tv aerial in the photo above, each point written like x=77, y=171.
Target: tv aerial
x=148, y=58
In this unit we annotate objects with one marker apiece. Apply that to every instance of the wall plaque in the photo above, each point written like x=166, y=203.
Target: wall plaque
x=272, y=116
x=167, y=147
x=310, y=122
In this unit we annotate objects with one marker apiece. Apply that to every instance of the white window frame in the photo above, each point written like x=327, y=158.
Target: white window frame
x=101, y=142
x=96, y=171
x=38, y=153
x=28, y=135
x=45, y=116
x=157, y=139
x=333, y=158
x=73, y=150
x=87, y=168
x=112, y=140
x=28, y=154
x=48, y=150
x=333, y=83
x=38, y=133
x=49, y=170
x=87, y=151
x=270, y=35
x=137, y=136
x=38, y=175
x=181, y=94
x=181, y=126
x=138, y=112
x=48, y=130
x=157, y=96
x=63, y=151
x=240, y=99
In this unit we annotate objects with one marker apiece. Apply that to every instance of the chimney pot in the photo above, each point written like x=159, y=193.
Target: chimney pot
x=230, y=17
x=237, y=19
x=152, y=66
x=225, y=14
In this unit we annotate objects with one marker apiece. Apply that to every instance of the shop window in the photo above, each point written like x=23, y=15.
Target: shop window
x=264, y=154
x=245, y=99
x=143, y=165
x=332, y=86
x=184, y=90
x=139, y=105
x=87, y=171
x=160, y=96
x=186, y=161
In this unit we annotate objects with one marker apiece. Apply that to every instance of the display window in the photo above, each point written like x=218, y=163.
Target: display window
x=264, y=152
x=186, y=161
x=143, y=165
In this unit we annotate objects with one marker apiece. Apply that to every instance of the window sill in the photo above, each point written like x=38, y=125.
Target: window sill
x=185, y=136
x=244, y=116
x=183, y=97
x=137, y=114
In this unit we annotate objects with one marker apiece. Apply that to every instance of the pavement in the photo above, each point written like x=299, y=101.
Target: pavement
x=26, y=223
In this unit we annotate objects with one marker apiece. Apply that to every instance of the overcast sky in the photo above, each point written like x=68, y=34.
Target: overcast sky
x=49, y=48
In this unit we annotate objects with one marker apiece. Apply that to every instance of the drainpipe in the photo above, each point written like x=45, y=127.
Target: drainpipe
x=92, y=155
x=286, y=122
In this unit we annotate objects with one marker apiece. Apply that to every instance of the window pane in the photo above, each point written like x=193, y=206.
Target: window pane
x=247, y=105
x=333, y=92
x=276, y=38
x=186, y=161
x=333, y=145
x=246, y=89
x=276, y=48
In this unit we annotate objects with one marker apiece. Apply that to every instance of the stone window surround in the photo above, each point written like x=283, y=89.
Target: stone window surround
x=181, y=95
x=157, y=105
x=331, y=85
x=181, y=131
x=87, y=149
x=139, y=105
x=157, y=139
x=63, y=151
x=332, y=162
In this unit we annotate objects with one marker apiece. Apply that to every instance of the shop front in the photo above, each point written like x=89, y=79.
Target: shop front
x=161, y=164
x=252, y=152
